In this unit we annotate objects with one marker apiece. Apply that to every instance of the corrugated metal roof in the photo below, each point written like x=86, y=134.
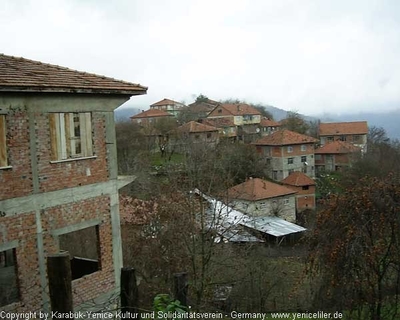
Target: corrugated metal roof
x=225, y=219
x=273, y=226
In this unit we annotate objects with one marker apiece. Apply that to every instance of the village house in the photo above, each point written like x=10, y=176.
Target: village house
x=245, y=117
x=193, y=133
x=200, y=109
x=59, y=181
x=168, y=105
x=352, y=132
x=227, y=128
x=268, y=126
x=150, y=117
x=335, y=155
x=258, y=198
x=286, y=152
x=305, y=190
x=240, y=113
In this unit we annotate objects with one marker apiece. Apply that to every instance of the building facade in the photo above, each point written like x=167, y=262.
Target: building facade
x=305, y=190
x=168, y=105
x=352, y=132
x=260, y=198
x=286, y=152
x=335, y=156
x=59, y=181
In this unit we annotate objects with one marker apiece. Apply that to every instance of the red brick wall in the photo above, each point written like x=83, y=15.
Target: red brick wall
x=341, y=159
x=17, y=182
x=303, y=203
x=56, y=176
x=92, y=285
x=297, y=150
x=22, y=227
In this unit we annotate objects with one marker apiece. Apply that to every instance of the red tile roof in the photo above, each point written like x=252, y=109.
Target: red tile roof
x=337, y=147
x=23, y=75
x=298, y=179
x=339, y=128
x=258, y=189
x=194, y=126
x=200, y=107
x=152, y=113
x=219, y=122
x=265, y=122
x=284, y=137
x=165, y=102
x=239, y=109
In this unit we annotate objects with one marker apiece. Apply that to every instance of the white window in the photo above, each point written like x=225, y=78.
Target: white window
x=71, y=135
x=303, y=158
x=285, y=201
x=3, y=145
x=289, y=149
x=303, y=147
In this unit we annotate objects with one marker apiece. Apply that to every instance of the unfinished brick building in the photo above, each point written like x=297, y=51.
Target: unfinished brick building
x=58, y=181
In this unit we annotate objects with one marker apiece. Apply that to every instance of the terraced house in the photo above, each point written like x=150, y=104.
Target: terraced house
x=58, y=181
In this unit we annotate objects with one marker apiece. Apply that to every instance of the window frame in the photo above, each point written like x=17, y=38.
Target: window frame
x=63, y=138
x=289, y=149
x=303, y=158
x=3, y=142
x=303, y=147
x=81, y=227
x=290, y=160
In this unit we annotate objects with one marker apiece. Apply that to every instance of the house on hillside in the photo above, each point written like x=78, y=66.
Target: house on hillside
x=245, y=117
x=200, y=109
x=335, y=155
x=234, y=226
x=150, y=117
x=168, y=105
x=286, y=152
x=227, y=128
x=305, y=190
x=259, y=198
x=240, y=113
x=191, y=134
x=268, y=126
x=59, y=181
x=352, y=132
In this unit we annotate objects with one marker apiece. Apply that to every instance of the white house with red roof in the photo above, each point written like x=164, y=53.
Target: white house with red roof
x=150, y=117
x=168, y=105
x=257, y=197
x=239, y=113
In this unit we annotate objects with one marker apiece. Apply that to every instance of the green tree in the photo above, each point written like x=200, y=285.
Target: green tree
x=295, y=122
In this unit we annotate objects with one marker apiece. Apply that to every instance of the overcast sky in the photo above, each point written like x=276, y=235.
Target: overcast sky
x=309, y=56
